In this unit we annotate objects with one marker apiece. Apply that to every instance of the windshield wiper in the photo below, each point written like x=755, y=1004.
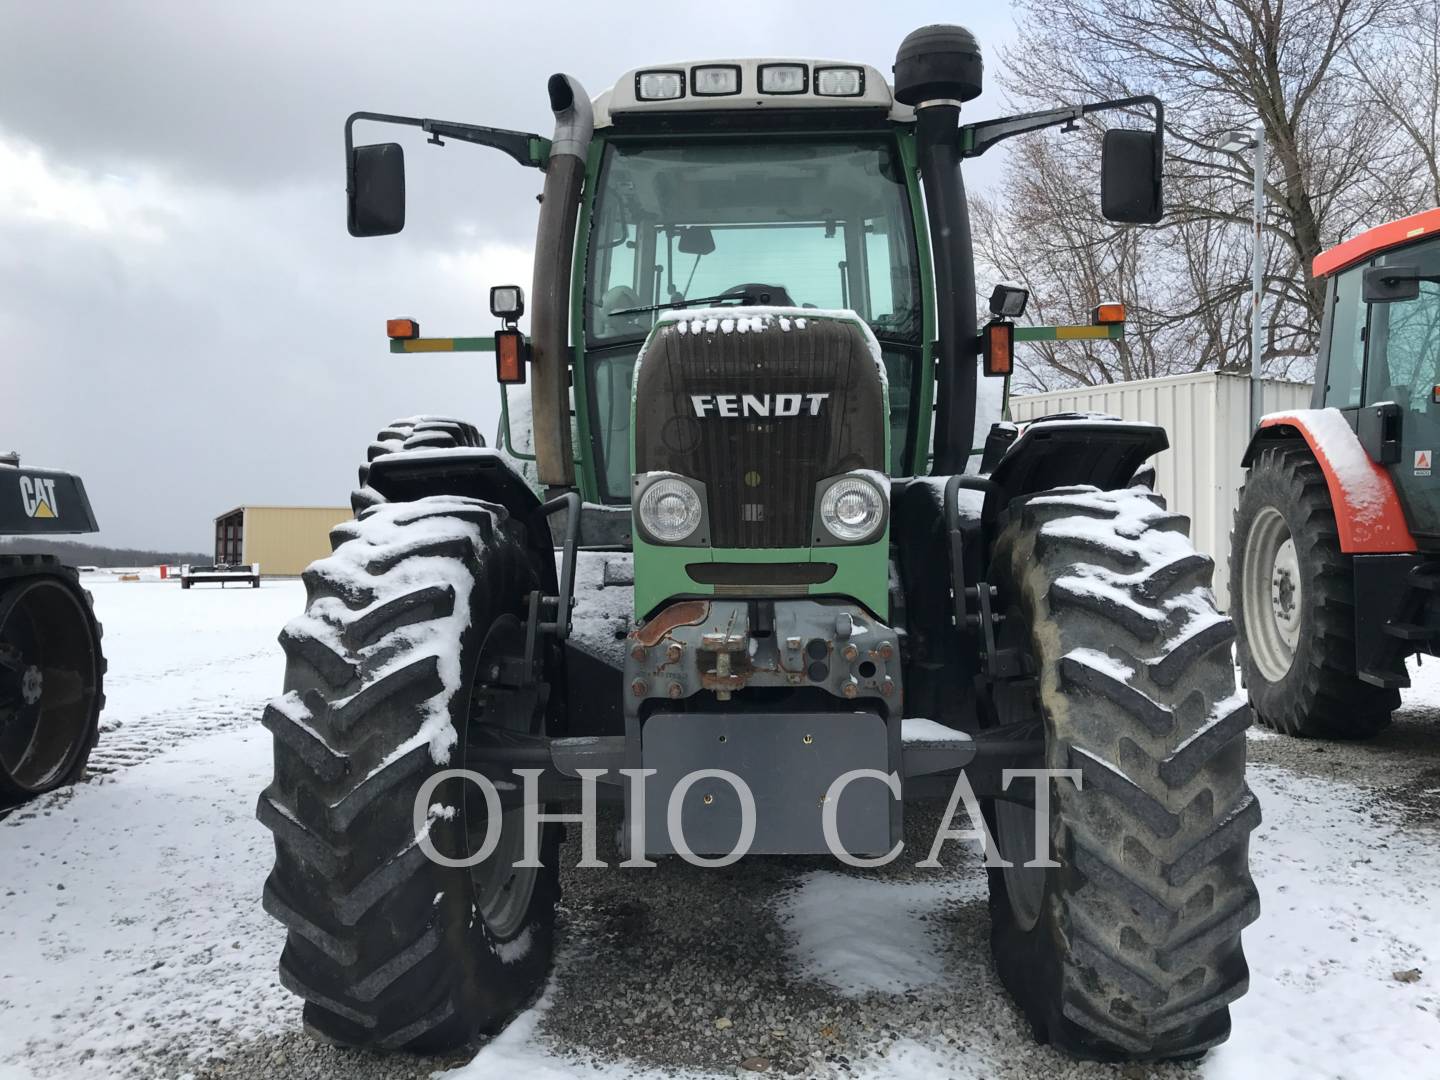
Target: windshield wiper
x=740, y=298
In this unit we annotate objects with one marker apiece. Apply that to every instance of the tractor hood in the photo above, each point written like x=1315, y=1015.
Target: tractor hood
x=760, y=404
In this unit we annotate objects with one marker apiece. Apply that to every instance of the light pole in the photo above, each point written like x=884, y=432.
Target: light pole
x=1233, y=142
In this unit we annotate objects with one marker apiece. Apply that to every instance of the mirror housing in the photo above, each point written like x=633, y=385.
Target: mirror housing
x=376, y=190
x=696, y=240
x=1391, y=284
x=1130, y=181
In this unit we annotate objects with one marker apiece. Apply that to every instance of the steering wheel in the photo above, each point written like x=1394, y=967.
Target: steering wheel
x=760, y=293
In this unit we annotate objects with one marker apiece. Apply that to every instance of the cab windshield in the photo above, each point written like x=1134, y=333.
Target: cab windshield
x=823, y=223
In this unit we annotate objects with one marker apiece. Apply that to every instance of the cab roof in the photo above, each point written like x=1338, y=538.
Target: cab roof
x=1374, y=241
x=623, y=100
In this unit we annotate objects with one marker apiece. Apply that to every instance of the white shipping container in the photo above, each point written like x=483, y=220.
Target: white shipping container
x=1207, y=416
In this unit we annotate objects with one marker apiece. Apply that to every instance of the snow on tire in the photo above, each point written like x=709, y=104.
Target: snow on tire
x=1130, y=947
x=411, y=433
x=387, y=947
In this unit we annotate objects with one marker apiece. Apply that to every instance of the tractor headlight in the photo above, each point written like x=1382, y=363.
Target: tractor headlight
x=852, y=509
x=670, y=510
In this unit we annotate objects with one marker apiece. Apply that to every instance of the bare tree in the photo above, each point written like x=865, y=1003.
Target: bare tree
x=1399, y=70
x=1219, y=65
x=1042, y=230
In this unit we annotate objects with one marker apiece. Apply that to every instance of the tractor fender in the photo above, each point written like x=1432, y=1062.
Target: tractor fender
x=1367, y=509
x=1076, y=448
x=472, y=472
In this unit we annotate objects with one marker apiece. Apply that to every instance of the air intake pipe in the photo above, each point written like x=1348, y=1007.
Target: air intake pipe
x=550, y=288
x=937, y=68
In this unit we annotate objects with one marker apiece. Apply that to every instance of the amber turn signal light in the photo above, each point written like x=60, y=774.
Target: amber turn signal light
x=510, y=351
x=1106, y=314
x=999, y=348
x=402, y=329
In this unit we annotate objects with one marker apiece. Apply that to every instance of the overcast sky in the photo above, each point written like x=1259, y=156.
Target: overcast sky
x=184, y=320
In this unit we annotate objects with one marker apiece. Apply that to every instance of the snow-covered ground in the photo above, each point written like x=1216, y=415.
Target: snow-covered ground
x=128, y=910
x=132, y=940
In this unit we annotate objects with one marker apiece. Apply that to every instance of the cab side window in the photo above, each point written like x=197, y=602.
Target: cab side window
x=1404, y=341
x=1347, y=342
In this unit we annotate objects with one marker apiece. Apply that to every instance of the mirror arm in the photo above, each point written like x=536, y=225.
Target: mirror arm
x=975, y=139
x=529, y=150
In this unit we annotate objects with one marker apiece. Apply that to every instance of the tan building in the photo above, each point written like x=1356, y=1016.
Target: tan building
x=284, y=540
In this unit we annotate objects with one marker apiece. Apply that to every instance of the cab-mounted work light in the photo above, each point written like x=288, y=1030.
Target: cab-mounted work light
x=784, y=79
x=512, y=352
x=507, y=302
x=840, y=81
x=1008, y=301
x=715, y=80
x=659, y=85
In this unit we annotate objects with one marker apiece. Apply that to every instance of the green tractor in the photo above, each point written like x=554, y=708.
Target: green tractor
x=778, y=576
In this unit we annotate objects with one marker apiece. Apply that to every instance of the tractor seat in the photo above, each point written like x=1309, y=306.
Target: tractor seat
x=620, y=298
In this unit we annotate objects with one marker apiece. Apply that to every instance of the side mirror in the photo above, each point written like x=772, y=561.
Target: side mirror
x=376, y=190
x=1391, y=284
x=1130, y=182
x=697, y=240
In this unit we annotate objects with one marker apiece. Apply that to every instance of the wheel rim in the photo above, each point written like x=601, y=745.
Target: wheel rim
x=1272, y=593
x=49, y=673
x=502, y=891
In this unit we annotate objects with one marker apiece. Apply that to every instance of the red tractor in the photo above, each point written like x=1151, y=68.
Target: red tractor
x=1335, y=556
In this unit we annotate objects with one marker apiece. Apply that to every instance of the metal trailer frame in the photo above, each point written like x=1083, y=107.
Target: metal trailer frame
x=220, y=573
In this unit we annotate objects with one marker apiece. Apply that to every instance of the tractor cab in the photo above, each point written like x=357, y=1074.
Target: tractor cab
x=820, y=221
x=1380, y=365
x=780, y=184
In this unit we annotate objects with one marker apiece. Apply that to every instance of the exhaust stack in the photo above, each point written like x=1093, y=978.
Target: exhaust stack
x=550, y=288
x=937, y=68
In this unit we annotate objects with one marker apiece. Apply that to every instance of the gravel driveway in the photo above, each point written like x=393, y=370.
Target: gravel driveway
x=681, y=969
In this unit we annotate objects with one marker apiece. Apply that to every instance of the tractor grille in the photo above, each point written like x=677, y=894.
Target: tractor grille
x=782, y=410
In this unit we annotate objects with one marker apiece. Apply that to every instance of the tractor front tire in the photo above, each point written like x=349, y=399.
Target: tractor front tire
x=1127, y=947
x=383, y=687
x=1293, y=594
